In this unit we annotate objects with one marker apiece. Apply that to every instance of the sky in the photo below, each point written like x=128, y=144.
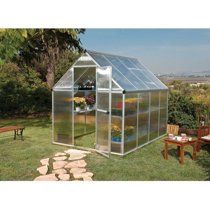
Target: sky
x=161, y=50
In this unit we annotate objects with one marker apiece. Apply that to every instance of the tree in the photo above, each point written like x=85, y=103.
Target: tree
x=34, y=46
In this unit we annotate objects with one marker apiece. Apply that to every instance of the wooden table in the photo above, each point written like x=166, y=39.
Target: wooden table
x=180, y=148
x=18, y=130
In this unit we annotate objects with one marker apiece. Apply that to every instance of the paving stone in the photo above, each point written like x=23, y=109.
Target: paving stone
x=77, y=170
x=76, y=156
x=87, y=174
x=60, y=154
x=76, y=151
x=48, y=177
x=87, y=178
x=42, y=170
x=64, y=177
x=60, y=158
x=59, y=164
x=45, y=161
x=76, y=164
x=59, y=171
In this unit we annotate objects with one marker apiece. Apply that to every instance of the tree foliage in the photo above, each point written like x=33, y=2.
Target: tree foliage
x=32, y=47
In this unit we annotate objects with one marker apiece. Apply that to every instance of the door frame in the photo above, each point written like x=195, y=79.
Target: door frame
x=104, y=153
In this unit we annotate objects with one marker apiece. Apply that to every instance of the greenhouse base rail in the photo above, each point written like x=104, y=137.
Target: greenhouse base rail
x=158, y=138
x=113, y=153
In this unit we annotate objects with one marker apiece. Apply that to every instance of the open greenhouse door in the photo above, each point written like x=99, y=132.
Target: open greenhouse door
x=103, y=110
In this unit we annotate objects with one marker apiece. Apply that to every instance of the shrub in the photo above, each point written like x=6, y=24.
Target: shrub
x=183, y=111
x=22, y=92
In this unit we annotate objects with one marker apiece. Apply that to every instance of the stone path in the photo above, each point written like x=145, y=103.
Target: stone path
x=65, y=166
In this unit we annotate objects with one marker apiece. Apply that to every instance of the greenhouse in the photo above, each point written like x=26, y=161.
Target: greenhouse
x=108, y=103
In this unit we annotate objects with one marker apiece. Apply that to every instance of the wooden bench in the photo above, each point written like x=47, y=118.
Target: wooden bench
x=18, y=130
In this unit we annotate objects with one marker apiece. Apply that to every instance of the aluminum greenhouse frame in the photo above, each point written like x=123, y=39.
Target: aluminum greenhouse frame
x=131, y=104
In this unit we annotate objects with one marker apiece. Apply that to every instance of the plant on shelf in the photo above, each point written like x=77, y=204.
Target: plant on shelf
x=116, y=133
x=90, y=101
x=79, y=103
x=88, y=84
x=129, y=133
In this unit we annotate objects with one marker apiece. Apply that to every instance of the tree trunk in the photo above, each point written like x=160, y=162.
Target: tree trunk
x=52, y=57
x=50, y=75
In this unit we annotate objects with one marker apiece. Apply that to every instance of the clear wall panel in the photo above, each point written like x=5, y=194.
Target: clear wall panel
x=63, y=117
x=116, y=132
x=130, y=130
x=143, y=119
x=154, y=114
x=163, y=112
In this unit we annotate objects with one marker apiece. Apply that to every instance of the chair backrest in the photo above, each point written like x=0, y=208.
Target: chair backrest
x=203, y=131
x=172, y=129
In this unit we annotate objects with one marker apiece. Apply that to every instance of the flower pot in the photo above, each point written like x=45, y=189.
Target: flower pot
x=78, y=109
x=89, y=107
x=116, y=139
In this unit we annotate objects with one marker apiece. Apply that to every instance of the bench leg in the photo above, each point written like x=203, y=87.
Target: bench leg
x=15, y=133
x=21, y=134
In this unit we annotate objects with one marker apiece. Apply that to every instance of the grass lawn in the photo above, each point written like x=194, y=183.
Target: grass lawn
x=19, y=159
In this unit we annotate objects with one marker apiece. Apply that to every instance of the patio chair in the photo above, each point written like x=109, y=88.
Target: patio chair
x=203, y=136
x=172, y=129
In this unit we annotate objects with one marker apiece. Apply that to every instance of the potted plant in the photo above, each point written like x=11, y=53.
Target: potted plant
x=116, y=133
x=129, y=133
x=79, y=103
x=90, y=101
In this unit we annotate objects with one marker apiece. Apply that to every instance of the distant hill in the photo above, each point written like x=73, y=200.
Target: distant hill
x=187, y=74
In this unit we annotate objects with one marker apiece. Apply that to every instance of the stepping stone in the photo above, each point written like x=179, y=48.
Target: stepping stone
x=42, y=170
x=87, y=174
x=59, y=171
x=87, y=178
x=77, y=170
x=49, y=177
x=45, y=161
x=78, y=175
x=76, y=151
x=60, y=154
x=76, y=164
x=76, y=156
x=60, y=158
x=64, y=177
x=59, y=164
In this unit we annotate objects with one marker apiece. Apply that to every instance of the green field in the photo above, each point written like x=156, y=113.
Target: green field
x=19, y=159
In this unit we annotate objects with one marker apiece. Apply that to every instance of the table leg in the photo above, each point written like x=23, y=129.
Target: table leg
x=166, y=151
x=182, y=155
x=198, y=147
x=194, y=151
x=178, y=151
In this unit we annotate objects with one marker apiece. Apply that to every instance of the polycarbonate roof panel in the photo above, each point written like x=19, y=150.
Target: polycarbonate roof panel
x=117, y=75
x=65, y=81
x=129, y=73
